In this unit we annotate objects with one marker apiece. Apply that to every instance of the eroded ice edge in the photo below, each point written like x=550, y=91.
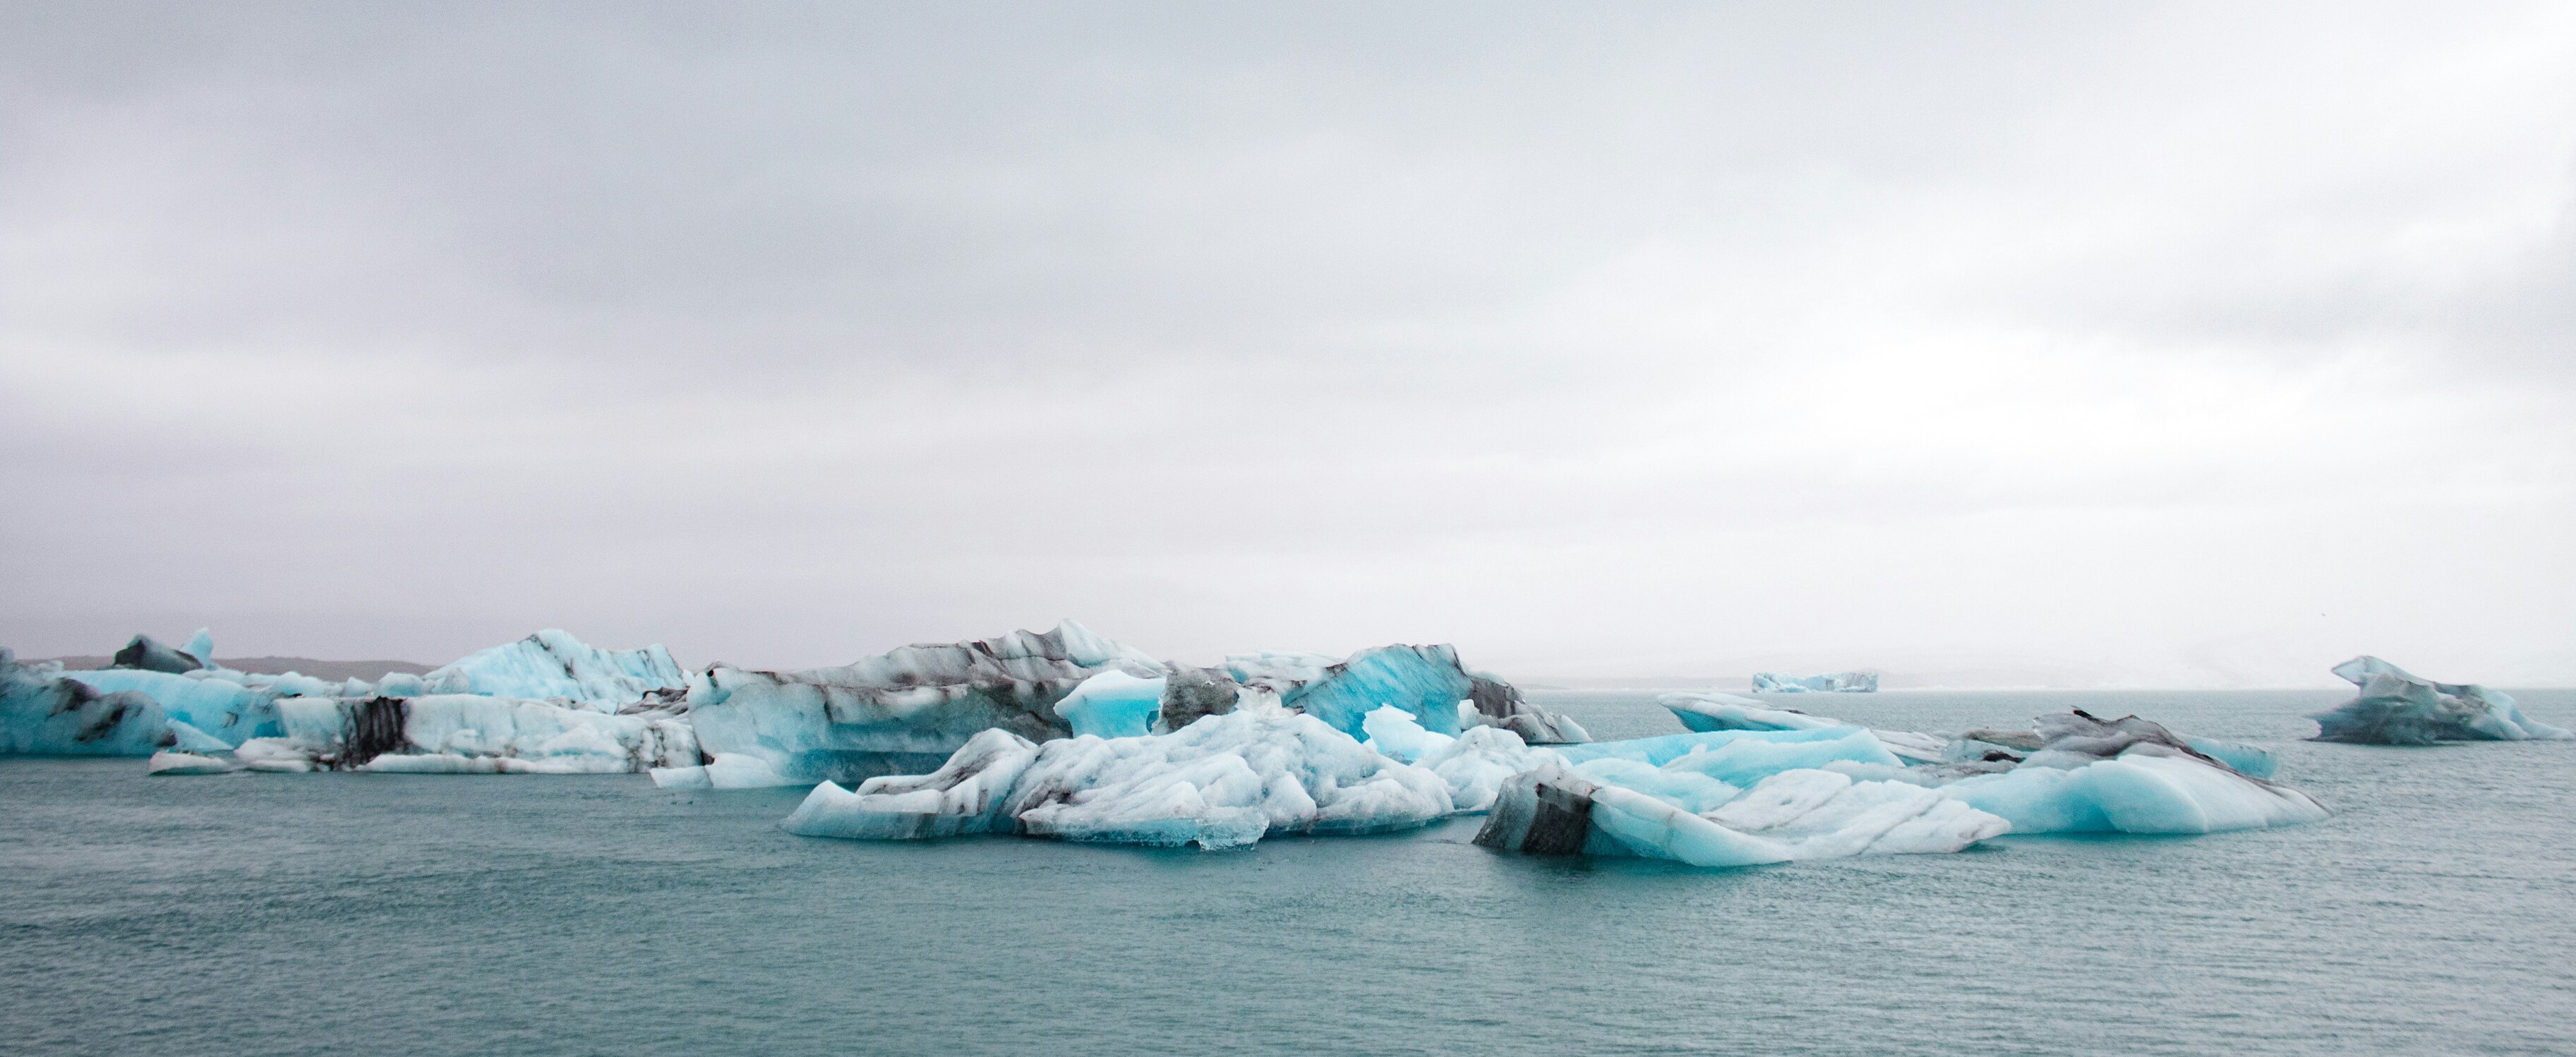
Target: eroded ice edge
x=1069, y=735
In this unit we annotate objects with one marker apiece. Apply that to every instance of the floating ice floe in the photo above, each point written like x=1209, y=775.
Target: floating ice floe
x=2396, y=708
x=1829, y=683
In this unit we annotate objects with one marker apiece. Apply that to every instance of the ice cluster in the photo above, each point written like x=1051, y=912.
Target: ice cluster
x=550, y=703
x=546, y=704
x=1802, y=788
x=1071, y=736
x=1828, y=683
x=2393, y=707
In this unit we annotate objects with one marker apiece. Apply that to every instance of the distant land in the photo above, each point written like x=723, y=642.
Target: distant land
x=367, y=670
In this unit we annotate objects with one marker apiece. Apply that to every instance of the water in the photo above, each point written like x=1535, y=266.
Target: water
x=290, y=914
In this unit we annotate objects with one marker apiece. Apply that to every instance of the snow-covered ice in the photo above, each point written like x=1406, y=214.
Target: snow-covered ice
x=2393, y=707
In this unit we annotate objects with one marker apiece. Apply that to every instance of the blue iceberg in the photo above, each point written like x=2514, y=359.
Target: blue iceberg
x=1424, y=681
x=901, y=712
x=1712, y=711
x=43, y=714
x=553, y=664
x=2396, y=708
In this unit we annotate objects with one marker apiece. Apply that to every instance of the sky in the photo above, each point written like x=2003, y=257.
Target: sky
x=2140, y=344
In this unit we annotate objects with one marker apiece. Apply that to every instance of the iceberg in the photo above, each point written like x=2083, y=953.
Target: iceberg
x=2393, y=707
x=1786, y=785
x=904, y=711
x=553, y=664
x=1714, y=711
x=1795, y=814
x=1425, y=681
x=2127, y=775
x=1223, y=781
x=148, y=654
x=1830, y=683
x=45, y=714
x=468, y=734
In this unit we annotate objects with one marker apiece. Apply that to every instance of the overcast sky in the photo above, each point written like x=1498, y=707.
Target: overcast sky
x=2182, y=345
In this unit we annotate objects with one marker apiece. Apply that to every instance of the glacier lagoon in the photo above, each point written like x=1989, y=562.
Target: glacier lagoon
x=405, y=913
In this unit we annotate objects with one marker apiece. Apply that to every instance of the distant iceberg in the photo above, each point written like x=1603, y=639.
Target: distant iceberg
x=158, y=698
x=907, y=711
x=903, y=711
x=148, y=654
x=554, y=664
x=1829, y=683
x=2396, y=708
x=468, y=734
x=1424, y=681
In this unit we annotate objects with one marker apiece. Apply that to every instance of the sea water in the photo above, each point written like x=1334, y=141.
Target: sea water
x=2435, y=912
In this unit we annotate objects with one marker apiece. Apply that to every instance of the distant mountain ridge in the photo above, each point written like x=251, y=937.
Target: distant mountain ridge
x=318, y=669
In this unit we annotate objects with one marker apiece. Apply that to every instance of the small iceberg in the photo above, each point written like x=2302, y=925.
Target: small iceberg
x=2397, y=708
x=1829, y=683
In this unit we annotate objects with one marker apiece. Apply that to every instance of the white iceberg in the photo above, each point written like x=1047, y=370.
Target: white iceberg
x=468, y=734
x=1712, y=711
x=2393, y=707
x=1223, y=781
x=1796, y=814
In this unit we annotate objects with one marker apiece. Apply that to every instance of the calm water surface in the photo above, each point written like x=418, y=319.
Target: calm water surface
x=292, y=914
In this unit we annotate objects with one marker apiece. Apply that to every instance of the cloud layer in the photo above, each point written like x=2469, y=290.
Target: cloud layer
x=2169, y=344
